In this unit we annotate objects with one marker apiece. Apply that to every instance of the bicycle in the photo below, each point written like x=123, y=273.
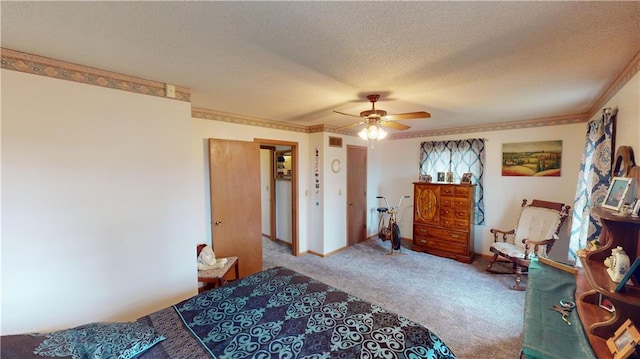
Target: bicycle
x=390, y=230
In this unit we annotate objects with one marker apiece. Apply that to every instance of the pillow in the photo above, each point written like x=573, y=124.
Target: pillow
x=99, y=340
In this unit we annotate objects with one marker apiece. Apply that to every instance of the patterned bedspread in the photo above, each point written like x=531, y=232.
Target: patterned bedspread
x=279, y=313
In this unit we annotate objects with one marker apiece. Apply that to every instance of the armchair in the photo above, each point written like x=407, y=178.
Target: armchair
x=533, y=236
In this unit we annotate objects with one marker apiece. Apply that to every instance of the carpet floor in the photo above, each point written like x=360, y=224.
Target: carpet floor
x=474, y=312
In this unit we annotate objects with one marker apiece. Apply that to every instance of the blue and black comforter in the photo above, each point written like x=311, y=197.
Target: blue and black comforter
x=279, y=313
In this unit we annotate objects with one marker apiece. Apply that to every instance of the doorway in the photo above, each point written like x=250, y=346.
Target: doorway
x=279, y=192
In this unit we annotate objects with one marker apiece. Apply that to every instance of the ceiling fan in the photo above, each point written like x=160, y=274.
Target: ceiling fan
x=374, y=118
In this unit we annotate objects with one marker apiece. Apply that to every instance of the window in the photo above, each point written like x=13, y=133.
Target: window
x=459, y=157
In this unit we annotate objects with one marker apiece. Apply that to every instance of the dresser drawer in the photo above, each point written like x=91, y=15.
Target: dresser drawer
x=447, y=222
x=461, y=214
x=463, y=191
x=447, y=190
x=424, y=232
x=462, y=225
x=443, y=245
x=459, y=202
x=447, y=212
x=446, y=202
x=454, y=223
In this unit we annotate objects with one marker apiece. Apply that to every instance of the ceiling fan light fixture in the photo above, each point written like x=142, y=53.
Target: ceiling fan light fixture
x=363, y=134
x=372, y=132
x=381, y=133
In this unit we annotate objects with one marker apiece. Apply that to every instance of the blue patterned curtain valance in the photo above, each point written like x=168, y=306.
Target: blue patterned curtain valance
x=460, y=156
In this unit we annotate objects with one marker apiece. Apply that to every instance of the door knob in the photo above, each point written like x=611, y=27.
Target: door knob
x=217, y=223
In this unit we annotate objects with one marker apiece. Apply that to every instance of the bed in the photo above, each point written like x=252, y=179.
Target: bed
x=276, y=313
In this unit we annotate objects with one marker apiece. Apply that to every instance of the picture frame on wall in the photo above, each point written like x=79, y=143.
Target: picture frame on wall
x=616, y=193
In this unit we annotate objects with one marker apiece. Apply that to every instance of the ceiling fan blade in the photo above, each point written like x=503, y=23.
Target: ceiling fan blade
x=394, y=125
x=351, y=125
x=346, y=114
x=408, y=116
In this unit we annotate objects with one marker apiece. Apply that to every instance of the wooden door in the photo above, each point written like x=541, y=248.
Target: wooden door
x=236, y=226
x=356, y=194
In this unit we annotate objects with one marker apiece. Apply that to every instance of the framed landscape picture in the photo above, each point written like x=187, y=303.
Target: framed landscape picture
x=539, y=159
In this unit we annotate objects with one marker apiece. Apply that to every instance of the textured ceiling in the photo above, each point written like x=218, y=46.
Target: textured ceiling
x=466, y=63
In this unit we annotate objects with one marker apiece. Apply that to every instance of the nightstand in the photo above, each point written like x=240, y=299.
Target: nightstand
x=213, y=278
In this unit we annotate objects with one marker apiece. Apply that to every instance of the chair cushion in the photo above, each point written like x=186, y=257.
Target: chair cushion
x=509, y=249
x=536, y=224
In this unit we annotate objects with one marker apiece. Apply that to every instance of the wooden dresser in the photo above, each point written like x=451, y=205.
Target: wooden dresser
x=443, y=220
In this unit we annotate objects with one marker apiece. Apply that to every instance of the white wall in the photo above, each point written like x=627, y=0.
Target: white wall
x=503, y=195
x=627, y=101
x=97, y=203
x=334, y=195
x=398, y=167
x=314, y=196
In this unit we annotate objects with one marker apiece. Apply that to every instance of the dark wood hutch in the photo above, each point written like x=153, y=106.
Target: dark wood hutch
x=593, y=281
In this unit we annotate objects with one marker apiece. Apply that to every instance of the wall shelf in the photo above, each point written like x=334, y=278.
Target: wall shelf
x=600, y=324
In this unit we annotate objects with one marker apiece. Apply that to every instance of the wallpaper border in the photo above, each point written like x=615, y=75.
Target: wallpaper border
x=44, y=66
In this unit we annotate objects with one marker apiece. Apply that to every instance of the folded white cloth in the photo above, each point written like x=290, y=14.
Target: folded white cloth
x=207, y=259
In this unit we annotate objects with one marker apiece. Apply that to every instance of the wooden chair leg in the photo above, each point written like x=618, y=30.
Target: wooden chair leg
x=492, y=261
x=518, y=279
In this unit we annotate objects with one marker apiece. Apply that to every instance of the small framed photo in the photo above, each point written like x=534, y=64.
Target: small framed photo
x=422, y=178
x=449, y=177
x=440, y=176
x=466, y=178
x=624, y=340
x=616, y=193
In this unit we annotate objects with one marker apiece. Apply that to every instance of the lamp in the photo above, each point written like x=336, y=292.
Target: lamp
x=372, y=132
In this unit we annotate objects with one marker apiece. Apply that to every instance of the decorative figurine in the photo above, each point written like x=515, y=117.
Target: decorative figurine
x=617, y=264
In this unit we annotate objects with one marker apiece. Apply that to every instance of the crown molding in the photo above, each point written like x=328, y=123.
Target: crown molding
x=618, y=83
x=501, y=126
x=207, y=114
x=44, y=66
